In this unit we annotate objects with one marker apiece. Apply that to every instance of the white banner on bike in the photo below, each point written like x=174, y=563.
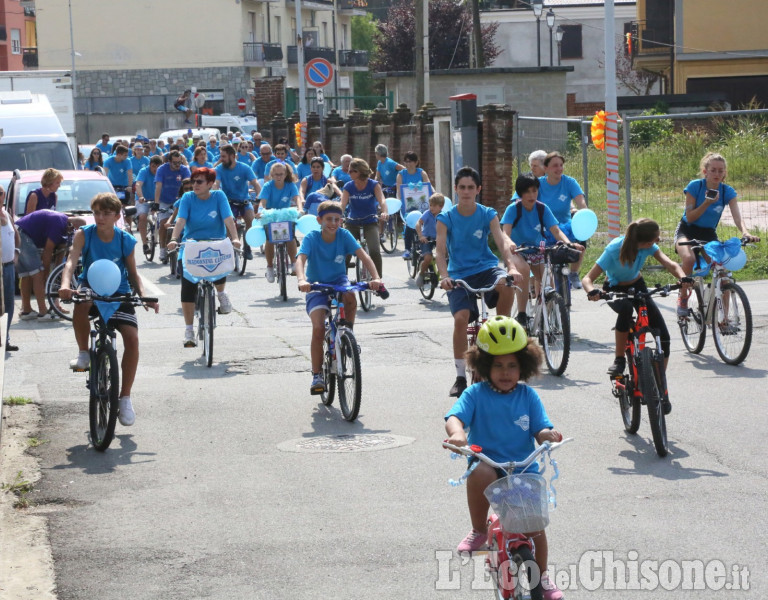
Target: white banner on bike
x=211, y=259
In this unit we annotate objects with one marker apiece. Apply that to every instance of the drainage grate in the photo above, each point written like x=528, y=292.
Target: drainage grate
x=346, y=443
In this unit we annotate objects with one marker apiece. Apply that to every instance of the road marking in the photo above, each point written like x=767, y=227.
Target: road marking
x=151, y=290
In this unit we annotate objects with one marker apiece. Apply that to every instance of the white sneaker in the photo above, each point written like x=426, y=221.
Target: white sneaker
x=125, y=413
x=163, y=254
x=30, y=316
x=189, y=338
x=81, y=363
x=270, y=275
x=225, y=306
x=420, y=280
x=293, y=269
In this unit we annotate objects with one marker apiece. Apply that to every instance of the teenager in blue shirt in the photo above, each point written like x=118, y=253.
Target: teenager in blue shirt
x=322, y=259
x=235, y=179
x=316, y=181
x=621, y=262
x=507, y=419
x=303, y=169
x=462, y=234
x=138, y=160
x=145, y=195
x=411, y=175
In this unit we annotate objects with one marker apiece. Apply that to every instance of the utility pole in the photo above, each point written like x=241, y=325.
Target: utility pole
x=476, y=36
x=419, y=58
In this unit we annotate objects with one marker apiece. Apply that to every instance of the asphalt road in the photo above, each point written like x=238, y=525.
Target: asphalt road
x=231, y=483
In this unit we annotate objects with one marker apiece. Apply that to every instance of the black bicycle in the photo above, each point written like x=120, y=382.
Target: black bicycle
x=103, y=379
x=431, y=276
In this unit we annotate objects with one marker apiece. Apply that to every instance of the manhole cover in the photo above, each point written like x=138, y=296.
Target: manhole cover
x=345, y=443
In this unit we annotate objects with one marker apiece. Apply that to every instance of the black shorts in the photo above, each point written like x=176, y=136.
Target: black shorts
x=124, y=315
x=694, y=232
x=189, y=289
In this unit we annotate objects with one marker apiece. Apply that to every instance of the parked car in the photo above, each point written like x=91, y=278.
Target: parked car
x=203, y=132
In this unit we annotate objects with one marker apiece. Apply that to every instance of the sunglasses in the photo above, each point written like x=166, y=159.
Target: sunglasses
x=199, y=181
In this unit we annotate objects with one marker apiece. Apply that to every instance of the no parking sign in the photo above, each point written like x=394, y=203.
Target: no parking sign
x=318, y=72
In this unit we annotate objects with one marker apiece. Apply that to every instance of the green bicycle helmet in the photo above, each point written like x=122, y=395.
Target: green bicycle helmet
x=501, y=335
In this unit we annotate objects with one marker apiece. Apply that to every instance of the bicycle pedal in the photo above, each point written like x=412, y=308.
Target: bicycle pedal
x=79, y=370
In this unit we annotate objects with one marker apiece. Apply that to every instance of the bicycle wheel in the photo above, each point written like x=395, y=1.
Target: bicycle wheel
x=282, y=271
x=362, y=275
x=732, y=325
x=329, y=374
x=413, y=264
x=151, y=241
x=693, y=328
x=350, y=379
x=427, y=288
x=509, y=582
x=564, y=285
x=653, y=390
x=629, y=404
x=173, y=258
x=389, y=239
x=105, y=386
x=555, y=334
x=207, y=323
x=240, y=260
x=52, y=285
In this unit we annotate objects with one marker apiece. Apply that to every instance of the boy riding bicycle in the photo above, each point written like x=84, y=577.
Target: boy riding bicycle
x=426, y=229
x=324, y=253
x=105, y=240
x=463, y=232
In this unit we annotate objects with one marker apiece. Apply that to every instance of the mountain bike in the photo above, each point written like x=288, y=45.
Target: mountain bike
x=103, y=379
x=390, y=234
x=548, y=317
x=280, y=233
x=520, y=502
x=723, y=305
x=645, y=379
x=474, y=326
x=152, y=235
x=341, y=353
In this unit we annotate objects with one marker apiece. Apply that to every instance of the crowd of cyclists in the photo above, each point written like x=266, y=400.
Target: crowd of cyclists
x=199, y=188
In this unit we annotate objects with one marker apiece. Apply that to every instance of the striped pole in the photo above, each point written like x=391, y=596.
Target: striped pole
x=612, y=174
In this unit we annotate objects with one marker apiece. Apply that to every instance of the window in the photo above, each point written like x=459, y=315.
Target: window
x=343, y=35
x=324, y=39
x=571, y=44
x=277, y=33
x=15, y=41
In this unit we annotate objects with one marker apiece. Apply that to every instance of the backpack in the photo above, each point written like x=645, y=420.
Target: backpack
x=539, y=209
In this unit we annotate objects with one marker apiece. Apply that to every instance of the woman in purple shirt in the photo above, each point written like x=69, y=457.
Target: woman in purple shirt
x=44, y=196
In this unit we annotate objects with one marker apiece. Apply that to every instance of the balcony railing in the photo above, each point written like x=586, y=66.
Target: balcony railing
x=310, y=53
x=656, y=39
x=354, y=7
x=261, y=52
x=353, y=58
x=29, y=58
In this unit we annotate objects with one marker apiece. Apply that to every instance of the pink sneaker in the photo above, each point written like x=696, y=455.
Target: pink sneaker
x=475, y=540
x=551, y=591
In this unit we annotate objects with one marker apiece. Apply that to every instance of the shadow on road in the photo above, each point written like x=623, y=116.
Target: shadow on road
x=718, y=367
x=196, y=369
x=327, y=420
x=122, y=452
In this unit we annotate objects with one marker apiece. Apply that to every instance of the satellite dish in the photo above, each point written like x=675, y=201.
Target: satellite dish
x=199, y=100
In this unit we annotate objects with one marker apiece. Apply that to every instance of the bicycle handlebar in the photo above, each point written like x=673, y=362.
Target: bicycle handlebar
x=547, y=249
x=632, y=293
x=509, y=282
x=698, y=244
x=476, y=451
x=359, y=286
x=88, y=295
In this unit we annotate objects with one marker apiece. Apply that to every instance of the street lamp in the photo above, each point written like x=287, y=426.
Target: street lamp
x=551, y=25
x=538, y=8
x=559, y=33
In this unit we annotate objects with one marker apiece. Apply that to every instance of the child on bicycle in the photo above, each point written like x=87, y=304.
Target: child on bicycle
x=526, y=222
x=323, y=254
x=426, y=229
x=621, y=261
x=105, y=240
x=504, y=416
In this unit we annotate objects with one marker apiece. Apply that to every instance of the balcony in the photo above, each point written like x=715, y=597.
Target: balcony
x=310, y=53
x=652, y=44
x=353, y=60
x=352, y=7
x=29, y=58
x=262, y=54
x=312, y=4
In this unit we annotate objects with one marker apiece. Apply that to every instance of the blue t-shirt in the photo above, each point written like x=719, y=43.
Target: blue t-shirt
x=245, y=159
x=276, y=197
x=503, y=424
x=94, y=249
x=303, y=170
x=711, y=217
x=137, y=164
x=204, y=218
x=171, y=181
x=259, y=166
x=234, y=182
x=558, y=197
x=147, y=182
x=467, y=241
x=340, y=176
x=387, y=170
x=315, y=198
x=528, y=229
x=313, y=185
x=614, y=270
x=326, y=261
x=118, y=171
x=105, y=148
x=196, y=165
x=286, y=161
x=429, y=224
x=363, y=206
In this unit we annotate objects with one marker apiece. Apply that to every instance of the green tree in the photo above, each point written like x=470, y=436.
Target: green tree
x=364, y=29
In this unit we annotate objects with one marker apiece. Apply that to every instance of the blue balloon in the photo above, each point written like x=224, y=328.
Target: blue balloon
x=256, y=236
x=448, y=203
x=412, y=218
x=104, y=277
x=308, y=223
x=584, y=224
x=736, y=263
x=393, y=205
x=327, y=170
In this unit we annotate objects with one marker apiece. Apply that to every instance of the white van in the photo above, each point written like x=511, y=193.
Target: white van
x=31, y=136
x=226, y=122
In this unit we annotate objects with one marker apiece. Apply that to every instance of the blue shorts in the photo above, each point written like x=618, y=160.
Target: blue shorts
x=427, y=248
x=461, y=299
x=321, y=300
x=240, y=207
x=30, y=261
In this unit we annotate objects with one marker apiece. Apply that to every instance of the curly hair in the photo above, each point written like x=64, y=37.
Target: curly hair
x=530, y=359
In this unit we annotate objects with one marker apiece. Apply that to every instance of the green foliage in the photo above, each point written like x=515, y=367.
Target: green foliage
x=573, y=145
x=16, y=400
x=645, y=133
x=20, y=488
x=364, y=30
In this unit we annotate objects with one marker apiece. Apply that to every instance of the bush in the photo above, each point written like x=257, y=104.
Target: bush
x=645, y=133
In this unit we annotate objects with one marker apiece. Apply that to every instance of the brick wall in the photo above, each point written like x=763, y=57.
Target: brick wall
x=269, y=97
x=582, y=109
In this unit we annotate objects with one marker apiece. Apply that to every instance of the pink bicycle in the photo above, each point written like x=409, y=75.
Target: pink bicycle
x=520, y=502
